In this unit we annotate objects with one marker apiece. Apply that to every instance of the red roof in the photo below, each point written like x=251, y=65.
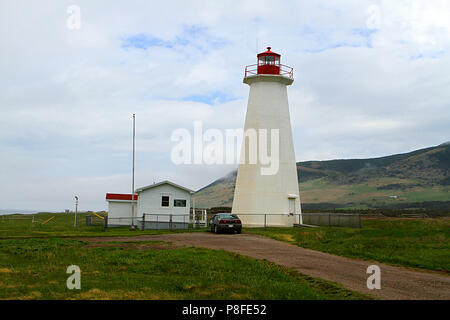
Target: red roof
x=269, y=53
x=120, y=196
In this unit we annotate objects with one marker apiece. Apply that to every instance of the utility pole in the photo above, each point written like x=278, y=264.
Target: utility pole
x=76, y=211
x=132, y=175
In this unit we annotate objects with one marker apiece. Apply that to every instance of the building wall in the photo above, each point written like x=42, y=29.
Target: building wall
x=257, y=194
x=149, y=202
x=119, y=213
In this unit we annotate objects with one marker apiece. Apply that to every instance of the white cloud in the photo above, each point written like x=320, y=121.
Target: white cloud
x=67, y=95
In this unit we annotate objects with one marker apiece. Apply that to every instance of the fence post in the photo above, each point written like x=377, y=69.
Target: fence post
x=329, y=219
x=143, y=221
x=170, y=223
x=105, y=225
x=265, y=221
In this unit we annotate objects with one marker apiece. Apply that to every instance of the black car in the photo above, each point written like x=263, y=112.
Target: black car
x=225, y=222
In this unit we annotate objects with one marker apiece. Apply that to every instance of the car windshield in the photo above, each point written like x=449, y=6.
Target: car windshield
x=228, y=216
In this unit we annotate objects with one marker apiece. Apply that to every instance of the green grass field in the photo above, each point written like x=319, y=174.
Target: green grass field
x=418, y=243
x=63, y=226
x=36, y=269
x=34, y=258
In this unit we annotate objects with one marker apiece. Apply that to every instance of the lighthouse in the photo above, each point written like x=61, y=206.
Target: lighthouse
x=261, y=196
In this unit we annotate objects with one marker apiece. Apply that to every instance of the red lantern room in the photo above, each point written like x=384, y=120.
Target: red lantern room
x=269, y=63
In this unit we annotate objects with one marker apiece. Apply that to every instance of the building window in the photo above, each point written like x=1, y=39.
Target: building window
x=179, y=203
x=164, y=201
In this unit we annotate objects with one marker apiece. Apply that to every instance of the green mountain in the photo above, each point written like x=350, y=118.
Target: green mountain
x=421, y=176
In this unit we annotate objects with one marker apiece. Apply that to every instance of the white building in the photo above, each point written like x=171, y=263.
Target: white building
x=271, y=199
x=164, y=203
x=119, y=209
x=159, y=206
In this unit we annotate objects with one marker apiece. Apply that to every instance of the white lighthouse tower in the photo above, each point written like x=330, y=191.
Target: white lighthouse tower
x=273, y=198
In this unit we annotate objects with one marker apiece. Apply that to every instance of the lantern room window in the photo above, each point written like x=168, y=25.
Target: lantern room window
x=261, y=60
x=270, y=60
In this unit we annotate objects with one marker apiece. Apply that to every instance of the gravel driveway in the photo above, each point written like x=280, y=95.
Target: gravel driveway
x=396, y=282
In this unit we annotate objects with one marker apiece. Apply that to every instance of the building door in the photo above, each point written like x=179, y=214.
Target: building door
x=291, y=205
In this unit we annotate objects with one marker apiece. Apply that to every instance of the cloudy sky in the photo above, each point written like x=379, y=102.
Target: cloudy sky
x=372, y=78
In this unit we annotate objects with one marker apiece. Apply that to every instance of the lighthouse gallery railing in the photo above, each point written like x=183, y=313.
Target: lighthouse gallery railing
x=287, y=71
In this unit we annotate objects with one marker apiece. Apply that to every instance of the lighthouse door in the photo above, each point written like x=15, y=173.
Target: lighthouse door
x=291, y=205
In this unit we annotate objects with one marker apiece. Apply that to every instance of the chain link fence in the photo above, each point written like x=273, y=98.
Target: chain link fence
x=263, y=220
x=307, y=219
x=155, y=221
x=92, y=220
x=150, y=221
x=351, y=220
x=181, y=221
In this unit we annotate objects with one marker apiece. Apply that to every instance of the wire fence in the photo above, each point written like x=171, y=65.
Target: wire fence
x=111, y=222
x=155, y=221
x=263, y=220
x=301, y=219
x=92, y=220
x=7, y=218
x=351, y=220
x=149, y=221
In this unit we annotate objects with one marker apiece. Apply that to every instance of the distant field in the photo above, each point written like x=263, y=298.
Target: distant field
x=36, y=269
x=418, y=243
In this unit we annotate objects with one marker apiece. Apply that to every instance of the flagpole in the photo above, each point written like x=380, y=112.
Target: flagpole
x=132, y=176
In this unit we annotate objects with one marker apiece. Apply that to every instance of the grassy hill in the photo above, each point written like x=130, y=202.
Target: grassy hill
x=412, y=179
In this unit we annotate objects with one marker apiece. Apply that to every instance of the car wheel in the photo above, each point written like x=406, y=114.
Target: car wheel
x=238, y=231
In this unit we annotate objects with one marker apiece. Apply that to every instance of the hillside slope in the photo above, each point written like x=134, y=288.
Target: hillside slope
x=418, y=176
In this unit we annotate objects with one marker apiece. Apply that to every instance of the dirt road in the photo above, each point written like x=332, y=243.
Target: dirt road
x=396, y=282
